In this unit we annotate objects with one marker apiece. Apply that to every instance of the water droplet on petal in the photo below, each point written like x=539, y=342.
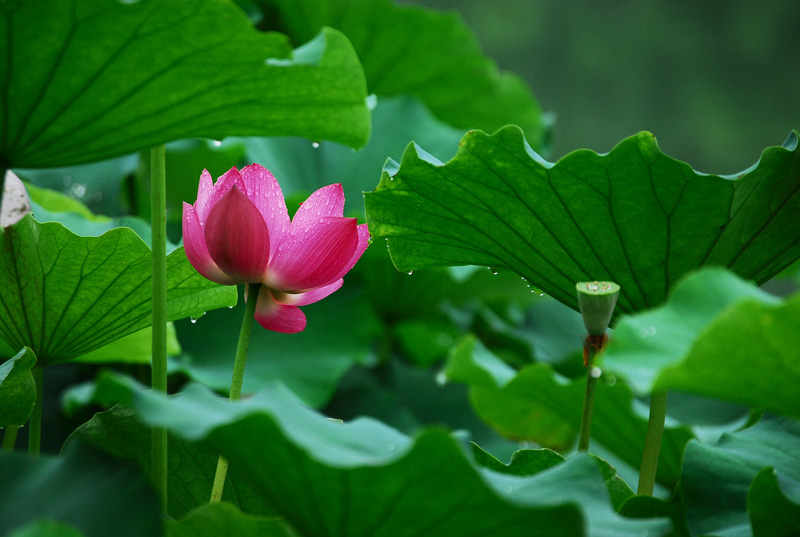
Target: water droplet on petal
x=315, y=145
x=217, y=143
x=410, y=272
x=596, y=372
x=193, y=320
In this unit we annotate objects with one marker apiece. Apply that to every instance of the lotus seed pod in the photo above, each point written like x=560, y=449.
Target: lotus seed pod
x=597, y=301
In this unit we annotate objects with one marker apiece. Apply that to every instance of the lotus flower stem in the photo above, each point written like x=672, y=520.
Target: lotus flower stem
x=35, y=431
x=237, y=379
x=9, y=438
x=158, y=208
x=652, y=442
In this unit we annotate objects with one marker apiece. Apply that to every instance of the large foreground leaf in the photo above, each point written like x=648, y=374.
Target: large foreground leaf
x=224, y=520
x=537, y=404
x=634, y=216
x=365, y=479
x=86, y=79
x=422, y=52
x=192, y=466
x=65, y=295
x=83, y=488
x=717, y=336
x=750, y=479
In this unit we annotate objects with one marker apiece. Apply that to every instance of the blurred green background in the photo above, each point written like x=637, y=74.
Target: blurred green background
x=715, y=81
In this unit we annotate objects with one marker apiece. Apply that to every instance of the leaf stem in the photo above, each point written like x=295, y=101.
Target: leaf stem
x=9, y=438
x=35, y=431
x=3, y=172
x=237, y=379
x=652, y=442
x=158, y=205
x=588, y=398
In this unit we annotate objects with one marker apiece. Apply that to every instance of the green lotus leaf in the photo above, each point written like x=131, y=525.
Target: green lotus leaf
x=136, y=348
x=51, y=206
x=365, y=479
x=44, y=527
x=749, y=480
x=429, y=54
x=65, y=295
x=523, y=462
x=17, y=388
x=119, y=433
x=717, y=336
x=224, y=519
x=773, y=503
x=83, y=488
x=87, y=80
x=633, y=216
x=537, y=404
x=527, y=462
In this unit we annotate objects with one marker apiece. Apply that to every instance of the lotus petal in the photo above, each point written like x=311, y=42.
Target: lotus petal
x=314, y=255
x=237, y=237
x=278, y=317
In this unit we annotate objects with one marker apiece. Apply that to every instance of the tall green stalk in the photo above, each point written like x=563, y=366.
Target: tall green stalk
x=35, y=431
x=158, y=205
x=592, y=374
x=652, y=443
x=10, y=433
x=237, y=379
x=9, y=438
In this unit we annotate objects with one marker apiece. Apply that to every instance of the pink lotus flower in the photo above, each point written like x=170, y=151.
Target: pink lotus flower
x=239, y=231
